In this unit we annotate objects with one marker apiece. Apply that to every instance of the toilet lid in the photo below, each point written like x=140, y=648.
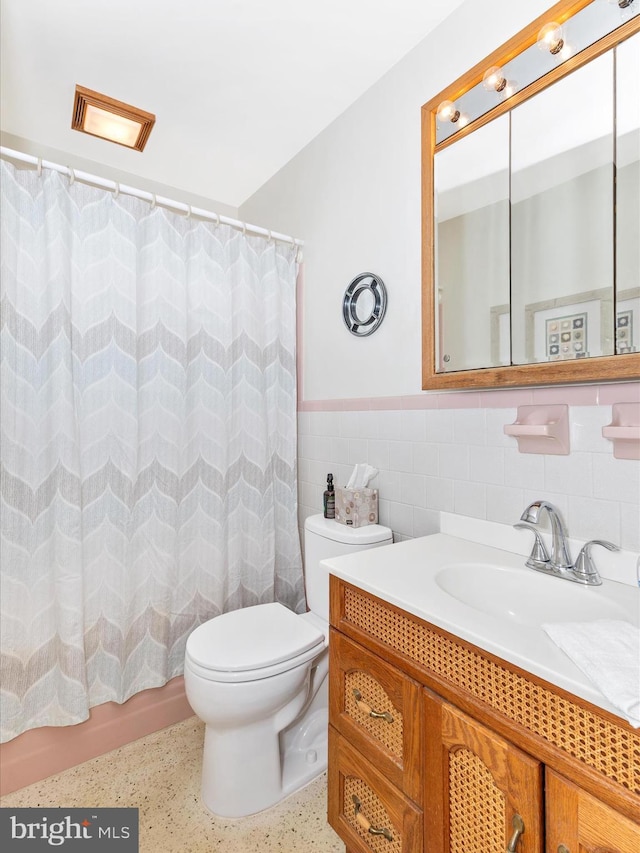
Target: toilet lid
x=251, y=638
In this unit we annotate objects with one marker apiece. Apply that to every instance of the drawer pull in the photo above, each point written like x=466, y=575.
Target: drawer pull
x=518, y=830
x=376, y=715
x=366, y=824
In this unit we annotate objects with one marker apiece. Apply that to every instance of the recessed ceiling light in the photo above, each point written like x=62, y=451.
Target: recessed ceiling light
x=102, y=116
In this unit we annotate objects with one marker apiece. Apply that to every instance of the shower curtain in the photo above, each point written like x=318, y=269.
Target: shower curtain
x=148, y=415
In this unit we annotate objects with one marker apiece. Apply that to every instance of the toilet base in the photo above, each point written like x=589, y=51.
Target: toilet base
x=277, y=757
x=304, y=745
x=304, y=757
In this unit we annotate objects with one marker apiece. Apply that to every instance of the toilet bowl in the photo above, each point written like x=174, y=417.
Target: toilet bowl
x=257, y=678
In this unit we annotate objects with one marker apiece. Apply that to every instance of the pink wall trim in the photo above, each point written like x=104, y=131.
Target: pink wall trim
x=573, y=395
x=42, y=752
x=608, y=395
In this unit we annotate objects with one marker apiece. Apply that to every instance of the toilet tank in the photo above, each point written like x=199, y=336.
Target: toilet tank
x=324, y=538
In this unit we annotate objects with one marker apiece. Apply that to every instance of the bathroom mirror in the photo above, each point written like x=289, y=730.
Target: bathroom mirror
x=531, y=209
x=472, y=233
x=562, y=199
x=627, y=316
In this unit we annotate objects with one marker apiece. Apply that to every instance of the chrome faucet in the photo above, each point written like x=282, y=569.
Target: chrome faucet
x=559, y=564
x=560, y=558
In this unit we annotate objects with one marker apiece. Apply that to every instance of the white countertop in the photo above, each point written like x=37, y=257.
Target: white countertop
x=406, y=574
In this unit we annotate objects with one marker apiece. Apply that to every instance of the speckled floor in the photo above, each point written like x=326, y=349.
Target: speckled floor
x=160, y=774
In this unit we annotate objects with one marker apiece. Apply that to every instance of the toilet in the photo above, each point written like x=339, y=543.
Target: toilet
x=257, y=678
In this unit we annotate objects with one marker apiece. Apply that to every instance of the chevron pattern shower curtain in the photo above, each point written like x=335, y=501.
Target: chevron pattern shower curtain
x=148, y=420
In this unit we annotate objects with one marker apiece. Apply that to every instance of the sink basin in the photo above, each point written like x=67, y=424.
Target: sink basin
x=526, y=597
x=486, y=596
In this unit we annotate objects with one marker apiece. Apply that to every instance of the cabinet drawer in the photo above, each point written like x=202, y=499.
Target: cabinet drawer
x=378, y=709
x=369, y=813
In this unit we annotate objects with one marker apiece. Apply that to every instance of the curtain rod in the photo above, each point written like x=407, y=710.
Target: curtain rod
x=87, y=178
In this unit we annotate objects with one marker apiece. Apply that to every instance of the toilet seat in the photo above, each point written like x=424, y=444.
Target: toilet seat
x=252, y=643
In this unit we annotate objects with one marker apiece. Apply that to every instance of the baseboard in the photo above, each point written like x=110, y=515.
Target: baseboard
x=39, y=753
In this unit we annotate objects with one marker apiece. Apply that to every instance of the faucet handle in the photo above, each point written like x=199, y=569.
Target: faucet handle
x=585, y=568
x=539, y=552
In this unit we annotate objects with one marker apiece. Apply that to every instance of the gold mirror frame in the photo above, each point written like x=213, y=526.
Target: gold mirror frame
x=618, y=367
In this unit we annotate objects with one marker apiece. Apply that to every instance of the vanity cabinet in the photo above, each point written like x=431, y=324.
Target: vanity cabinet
x=442, y=744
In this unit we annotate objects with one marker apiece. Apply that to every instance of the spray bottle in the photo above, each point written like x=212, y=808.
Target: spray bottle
x=329, y=499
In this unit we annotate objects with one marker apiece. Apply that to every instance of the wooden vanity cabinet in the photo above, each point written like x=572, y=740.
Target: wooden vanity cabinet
x=429, y=731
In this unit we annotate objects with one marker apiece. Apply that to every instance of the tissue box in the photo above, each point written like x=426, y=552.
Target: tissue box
x=357, y=507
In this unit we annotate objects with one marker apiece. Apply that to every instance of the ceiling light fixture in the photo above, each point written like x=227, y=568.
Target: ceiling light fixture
x=104, y=117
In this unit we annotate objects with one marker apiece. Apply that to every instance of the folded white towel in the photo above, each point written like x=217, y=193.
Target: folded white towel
x=608, y=652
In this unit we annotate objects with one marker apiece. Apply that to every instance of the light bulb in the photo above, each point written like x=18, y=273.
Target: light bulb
x=510, y=89
x=494, y=79
x=447, y=111
x=550, y=38
x=463, y=120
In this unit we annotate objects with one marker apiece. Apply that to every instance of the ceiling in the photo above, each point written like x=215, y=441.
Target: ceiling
x=238, y=86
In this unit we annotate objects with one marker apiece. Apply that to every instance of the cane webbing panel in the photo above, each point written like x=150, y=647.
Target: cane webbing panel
x=388, y=734
x=374, y=811
x=608, y=748
x=476, y=806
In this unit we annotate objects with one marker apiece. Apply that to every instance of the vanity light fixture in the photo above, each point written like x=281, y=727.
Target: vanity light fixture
x=550, y=38
x=104, y=117
x=494, y=79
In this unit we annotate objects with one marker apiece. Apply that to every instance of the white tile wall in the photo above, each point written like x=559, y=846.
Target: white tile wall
x=459, y=460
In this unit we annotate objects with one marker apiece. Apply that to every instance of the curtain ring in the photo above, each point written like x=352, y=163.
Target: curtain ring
x=153, y=201
x=188, y=211
x=270, y=237
x=72, y=176
x=116, y=190
x=244, y=229
x=39, y=167
x=217, y=216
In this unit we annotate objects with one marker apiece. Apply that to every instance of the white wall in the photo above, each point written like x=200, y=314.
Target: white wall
x=353, y=195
